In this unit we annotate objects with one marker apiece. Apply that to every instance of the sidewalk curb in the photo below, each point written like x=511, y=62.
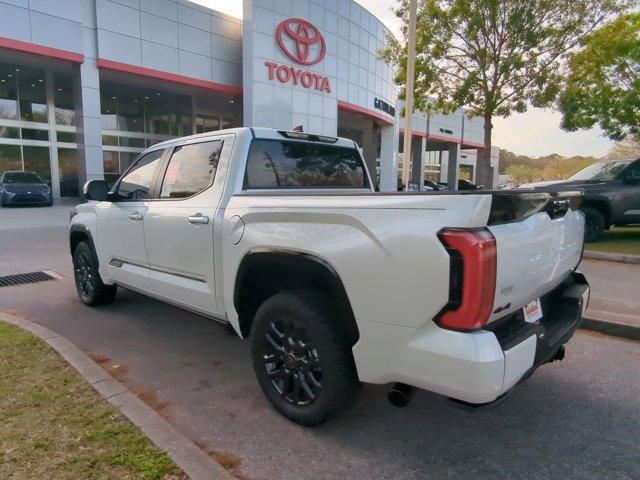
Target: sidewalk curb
x=616, y=329
x=612, y=257
x=195, y=463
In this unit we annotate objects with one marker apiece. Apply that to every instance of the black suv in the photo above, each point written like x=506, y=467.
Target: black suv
x=612, y=194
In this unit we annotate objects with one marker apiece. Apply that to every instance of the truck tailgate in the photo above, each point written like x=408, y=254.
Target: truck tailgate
x=537, y=248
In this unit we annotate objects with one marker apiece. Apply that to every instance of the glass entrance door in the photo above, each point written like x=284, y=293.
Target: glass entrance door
x=38, y=159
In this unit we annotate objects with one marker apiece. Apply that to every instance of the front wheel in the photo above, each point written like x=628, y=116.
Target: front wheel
x=594, y=224
x=89, y=285
x=303, y=365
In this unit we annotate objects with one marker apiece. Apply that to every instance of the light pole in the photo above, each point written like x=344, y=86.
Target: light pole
x=408, y=108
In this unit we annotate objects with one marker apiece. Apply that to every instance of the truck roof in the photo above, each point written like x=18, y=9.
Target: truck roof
x=262, y=133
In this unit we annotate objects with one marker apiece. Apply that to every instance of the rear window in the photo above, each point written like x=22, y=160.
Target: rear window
x=286, y=164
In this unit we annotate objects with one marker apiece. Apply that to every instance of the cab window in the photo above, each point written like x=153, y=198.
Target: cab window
x=191, y=169
x=633, y=172
x=136, y=183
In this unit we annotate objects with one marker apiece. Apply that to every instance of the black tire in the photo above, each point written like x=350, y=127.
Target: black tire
x=89, y=285
x=302, y=360
x=594, y=224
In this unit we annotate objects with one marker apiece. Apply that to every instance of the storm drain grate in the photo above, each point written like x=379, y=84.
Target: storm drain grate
x=25, y=278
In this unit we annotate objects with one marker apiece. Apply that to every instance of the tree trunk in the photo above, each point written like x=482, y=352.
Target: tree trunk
x=484, y=175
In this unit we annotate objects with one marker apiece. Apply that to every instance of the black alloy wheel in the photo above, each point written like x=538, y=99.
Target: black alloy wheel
x=292, y=363
x=91, y=290
x=594, y=224
x=83, y=275
x=302, y=358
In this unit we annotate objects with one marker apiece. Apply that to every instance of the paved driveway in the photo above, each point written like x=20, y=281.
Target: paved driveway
x=576, y=419
x=13, y=218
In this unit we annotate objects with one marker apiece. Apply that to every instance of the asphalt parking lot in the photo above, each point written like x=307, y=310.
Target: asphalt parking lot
x=578, y=418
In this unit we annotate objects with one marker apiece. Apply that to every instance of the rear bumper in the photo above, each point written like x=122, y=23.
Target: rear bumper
x=475, y=367
x=563, y=309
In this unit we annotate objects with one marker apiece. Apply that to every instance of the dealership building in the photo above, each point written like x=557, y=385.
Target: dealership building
x=86, y=85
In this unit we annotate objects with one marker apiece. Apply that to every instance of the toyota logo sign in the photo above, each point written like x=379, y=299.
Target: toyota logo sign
x=301, y=41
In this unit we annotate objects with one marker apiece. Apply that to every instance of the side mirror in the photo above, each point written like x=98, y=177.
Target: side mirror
x=96, y=190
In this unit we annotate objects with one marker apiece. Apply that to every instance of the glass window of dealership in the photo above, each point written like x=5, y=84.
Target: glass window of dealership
x=36, y=124
x=38, y=132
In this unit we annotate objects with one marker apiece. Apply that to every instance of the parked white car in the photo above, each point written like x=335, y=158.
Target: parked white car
x=281, y=235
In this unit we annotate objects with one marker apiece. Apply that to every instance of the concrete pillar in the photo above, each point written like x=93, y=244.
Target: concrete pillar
x=87, y=102
x=194, y=126
x=418, y=160
x=51, y=119
x=452, y=166
x=495, y=161
x=389, y=158
x=369, y=148
x=89, y=122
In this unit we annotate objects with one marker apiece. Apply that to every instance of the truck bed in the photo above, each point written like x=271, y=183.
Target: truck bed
x=388, y=242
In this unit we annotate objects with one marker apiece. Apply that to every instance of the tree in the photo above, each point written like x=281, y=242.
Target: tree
x=549, y=167
x=562, y=168
x=627, y=148
x=603, y=85
x=493, y=57
x=523, y=173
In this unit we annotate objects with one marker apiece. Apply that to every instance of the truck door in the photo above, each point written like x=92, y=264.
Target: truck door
x=631, y=194
x=179, y=225
x=120, y=241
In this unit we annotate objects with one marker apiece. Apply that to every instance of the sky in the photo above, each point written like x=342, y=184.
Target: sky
x=535, y=133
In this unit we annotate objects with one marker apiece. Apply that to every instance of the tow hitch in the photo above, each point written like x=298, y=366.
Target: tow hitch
x=559, y=355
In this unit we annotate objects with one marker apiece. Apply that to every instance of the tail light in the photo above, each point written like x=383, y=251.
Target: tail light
x=472, y=278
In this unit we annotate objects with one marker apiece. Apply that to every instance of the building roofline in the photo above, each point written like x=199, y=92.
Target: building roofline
x=34, y=48
x=170, y=77
x=350, y=107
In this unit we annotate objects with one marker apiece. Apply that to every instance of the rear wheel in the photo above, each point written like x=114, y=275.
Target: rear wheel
x=302, y=362
x=89, y=285
x=594, y=224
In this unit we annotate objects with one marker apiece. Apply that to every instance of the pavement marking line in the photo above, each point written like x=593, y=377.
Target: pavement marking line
x=190, y=458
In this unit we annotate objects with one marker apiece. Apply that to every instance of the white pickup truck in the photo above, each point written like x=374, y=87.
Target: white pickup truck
x=281, y=235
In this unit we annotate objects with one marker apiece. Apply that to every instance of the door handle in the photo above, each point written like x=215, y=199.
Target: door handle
x=135, y=216
x=198, y=219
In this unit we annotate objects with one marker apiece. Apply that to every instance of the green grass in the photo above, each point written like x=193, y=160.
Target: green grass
x=618, y=240
x=54, y=425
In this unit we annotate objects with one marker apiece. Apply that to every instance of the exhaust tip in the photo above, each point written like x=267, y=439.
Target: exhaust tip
x=400, y=394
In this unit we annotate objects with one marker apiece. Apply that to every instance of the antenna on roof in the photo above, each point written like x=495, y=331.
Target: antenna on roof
x=297, y=128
